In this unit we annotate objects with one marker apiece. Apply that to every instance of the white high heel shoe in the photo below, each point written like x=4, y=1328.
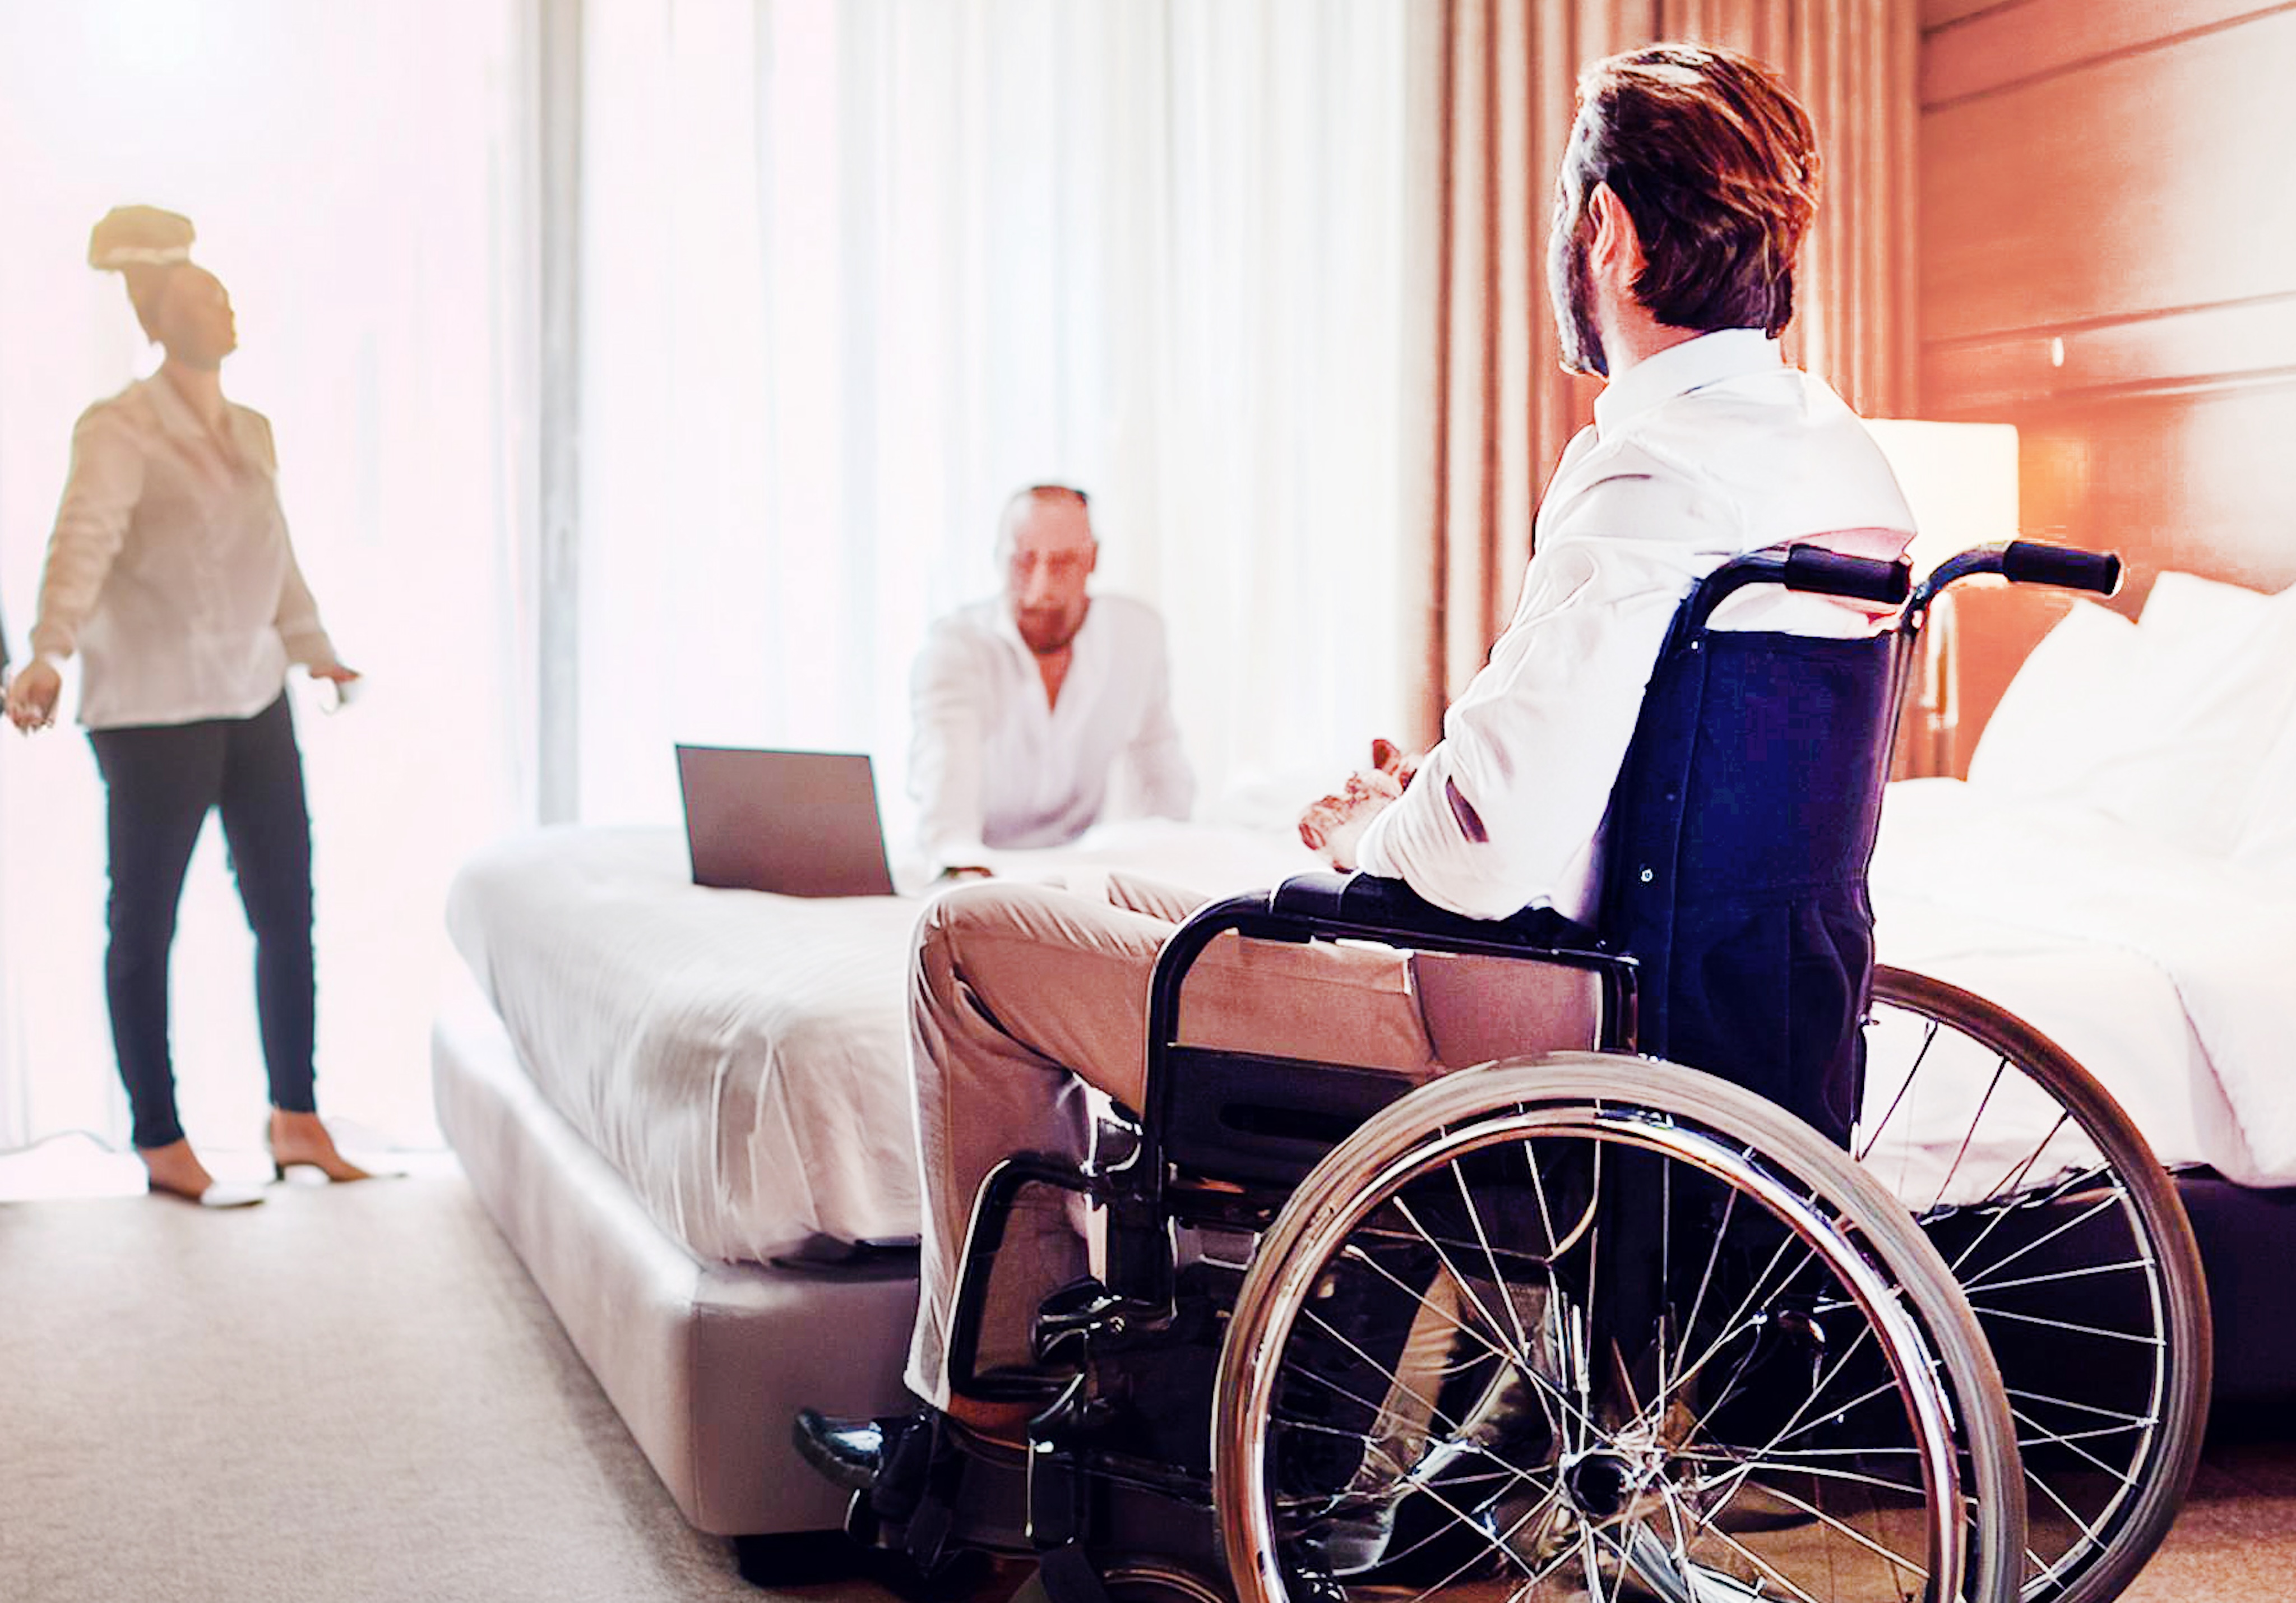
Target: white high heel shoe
x=175, y=1159
x=219, y=1194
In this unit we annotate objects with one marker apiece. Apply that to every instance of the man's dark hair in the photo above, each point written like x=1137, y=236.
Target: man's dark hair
x=1716, y=162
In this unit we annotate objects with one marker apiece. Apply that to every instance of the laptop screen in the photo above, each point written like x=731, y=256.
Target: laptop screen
x=797, y=822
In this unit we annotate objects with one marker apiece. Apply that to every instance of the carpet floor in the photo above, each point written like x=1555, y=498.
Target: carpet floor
x=356, y=1396
x=351, y=1394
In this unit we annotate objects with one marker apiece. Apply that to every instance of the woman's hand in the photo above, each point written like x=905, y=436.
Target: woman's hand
x=341, y=678
x=32, y=695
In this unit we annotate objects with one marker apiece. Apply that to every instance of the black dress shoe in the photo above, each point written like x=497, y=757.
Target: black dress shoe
x=848, y=1451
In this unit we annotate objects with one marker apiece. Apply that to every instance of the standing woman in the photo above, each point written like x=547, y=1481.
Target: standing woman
x=171, y=574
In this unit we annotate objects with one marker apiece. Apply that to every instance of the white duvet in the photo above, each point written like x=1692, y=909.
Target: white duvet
x=2170, y=973
x=739, y=1058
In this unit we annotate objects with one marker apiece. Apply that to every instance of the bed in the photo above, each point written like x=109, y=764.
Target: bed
x=2120, y=869
x=687, y=1109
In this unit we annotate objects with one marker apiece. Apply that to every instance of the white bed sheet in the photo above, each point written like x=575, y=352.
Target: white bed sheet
x=739, y=1058
x=2166, y=972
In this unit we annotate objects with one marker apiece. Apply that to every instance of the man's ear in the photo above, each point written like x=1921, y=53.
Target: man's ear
x=1617, y=247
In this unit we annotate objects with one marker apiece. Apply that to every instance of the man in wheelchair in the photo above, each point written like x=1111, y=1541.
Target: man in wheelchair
x=1690, y=177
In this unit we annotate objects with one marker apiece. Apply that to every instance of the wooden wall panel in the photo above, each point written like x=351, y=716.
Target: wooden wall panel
x=2108, y=260
x=2008, y=43
x=2201, y=482
x=2139, y=184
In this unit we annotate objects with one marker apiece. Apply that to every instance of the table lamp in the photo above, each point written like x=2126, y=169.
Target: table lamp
x=1961, y=481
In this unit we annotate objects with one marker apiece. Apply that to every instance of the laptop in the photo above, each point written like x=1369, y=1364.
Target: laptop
x=798, y=823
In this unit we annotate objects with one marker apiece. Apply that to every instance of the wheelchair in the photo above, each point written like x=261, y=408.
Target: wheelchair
x=1822, y=1317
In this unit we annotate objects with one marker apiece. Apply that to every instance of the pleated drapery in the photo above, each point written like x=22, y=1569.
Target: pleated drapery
x=1501, y=410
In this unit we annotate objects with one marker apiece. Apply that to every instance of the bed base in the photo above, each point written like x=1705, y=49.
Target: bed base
x=706, y=1363
x=2246, y=1233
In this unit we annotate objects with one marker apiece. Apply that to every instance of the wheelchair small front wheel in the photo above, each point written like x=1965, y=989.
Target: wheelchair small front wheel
x=1596, y=1326
x=1157, y=1581
x=1124, y=1578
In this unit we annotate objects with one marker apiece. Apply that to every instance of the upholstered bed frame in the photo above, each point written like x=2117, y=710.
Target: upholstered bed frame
x=705, y=1362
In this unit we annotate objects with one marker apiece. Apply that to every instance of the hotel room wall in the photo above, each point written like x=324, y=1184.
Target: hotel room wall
x=2108, y=260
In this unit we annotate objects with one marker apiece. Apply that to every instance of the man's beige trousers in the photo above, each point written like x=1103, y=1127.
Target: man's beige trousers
x=1020, y=992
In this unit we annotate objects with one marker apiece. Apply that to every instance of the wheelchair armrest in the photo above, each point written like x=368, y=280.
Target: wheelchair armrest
x=1361, y=906
x=1364, y=905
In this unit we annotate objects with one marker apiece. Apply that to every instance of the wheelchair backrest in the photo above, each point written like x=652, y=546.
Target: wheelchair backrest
x=1735, y=853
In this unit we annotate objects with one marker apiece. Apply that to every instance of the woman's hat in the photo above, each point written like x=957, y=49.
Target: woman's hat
x=139, y=237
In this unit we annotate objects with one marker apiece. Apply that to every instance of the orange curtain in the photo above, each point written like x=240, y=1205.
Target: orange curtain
x=1502, y=99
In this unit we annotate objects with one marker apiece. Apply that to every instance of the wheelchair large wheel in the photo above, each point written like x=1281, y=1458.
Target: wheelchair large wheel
x=2073, y=1248
x=1596, y=1327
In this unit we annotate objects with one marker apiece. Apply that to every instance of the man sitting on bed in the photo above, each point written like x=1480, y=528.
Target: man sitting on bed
x=1032, y=709
x=1689, y=181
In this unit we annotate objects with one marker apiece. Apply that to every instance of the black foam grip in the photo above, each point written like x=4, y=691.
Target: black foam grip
x=1834, y=574
x=2028, y=562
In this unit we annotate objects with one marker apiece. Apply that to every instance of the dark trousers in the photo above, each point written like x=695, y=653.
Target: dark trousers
x=161, y=782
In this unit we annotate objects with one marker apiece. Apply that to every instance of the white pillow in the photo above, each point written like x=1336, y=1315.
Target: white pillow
x=2166, y=725
x=2267, y=835
x=2184, y=607
x=2056, y=723
x=2218, y=681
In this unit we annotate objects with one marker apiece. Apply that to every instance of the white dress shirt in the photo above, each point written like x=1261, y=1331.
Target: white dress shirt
x=1710, y=449
x=170, y=570
x=992, y=765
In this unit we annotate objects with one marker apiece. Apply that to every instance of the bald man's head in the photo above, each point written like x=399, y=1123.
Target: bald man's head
x=1046, y=550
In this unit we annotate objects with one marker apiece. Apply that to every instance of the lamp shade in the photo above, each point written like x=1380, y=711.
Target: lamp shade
x=1959, y=478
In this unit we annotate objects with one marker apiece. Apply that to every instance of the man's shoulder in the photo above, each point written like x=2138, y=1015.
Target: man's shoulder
x=969, y=635
x=974, y=617
x=1127, y=615
x=1746, y=463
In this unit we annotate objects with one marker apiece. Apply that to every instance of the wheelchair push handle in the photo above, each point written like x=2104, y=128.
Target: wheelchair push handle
x=1813, y=567
x=2027, y=563
x=2031, y=562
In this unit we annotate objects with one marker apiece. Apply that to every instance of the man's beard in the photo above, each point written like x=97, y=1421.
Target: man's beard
x=1570, y=286
x=1049, y=633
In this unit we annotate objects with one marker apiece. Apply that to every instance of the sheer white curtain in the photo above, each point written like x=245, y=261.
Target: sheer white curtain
x=852, y=274
x=846, y=275
x=355, y=175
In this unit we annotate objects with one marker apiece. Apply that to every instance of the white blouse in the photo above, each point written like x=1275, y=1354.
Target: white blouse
x=170, y=570
x=1710, y=449
x=992, y=765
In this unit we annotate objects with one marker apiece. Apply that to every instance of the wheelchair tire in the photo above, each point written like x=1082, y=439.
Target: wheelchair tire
x=2078, y=1259
x=1803, y=1405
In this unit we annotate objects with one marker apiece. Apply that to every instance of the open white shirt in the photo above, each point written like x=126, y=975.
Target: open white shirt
x=1709, y=450
x=170, y=570
x=991, y=765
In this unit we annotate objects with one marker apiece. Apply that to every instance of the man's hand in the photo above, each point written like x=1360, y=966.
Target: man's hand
x=1392, y=760
x=1331, y=826
x=32, y=695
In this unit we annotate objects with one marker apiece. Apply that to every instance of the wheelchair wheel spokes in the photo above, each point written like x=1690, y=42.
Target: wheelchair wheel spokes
x=2075, y=1254
x=1599, y=1328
